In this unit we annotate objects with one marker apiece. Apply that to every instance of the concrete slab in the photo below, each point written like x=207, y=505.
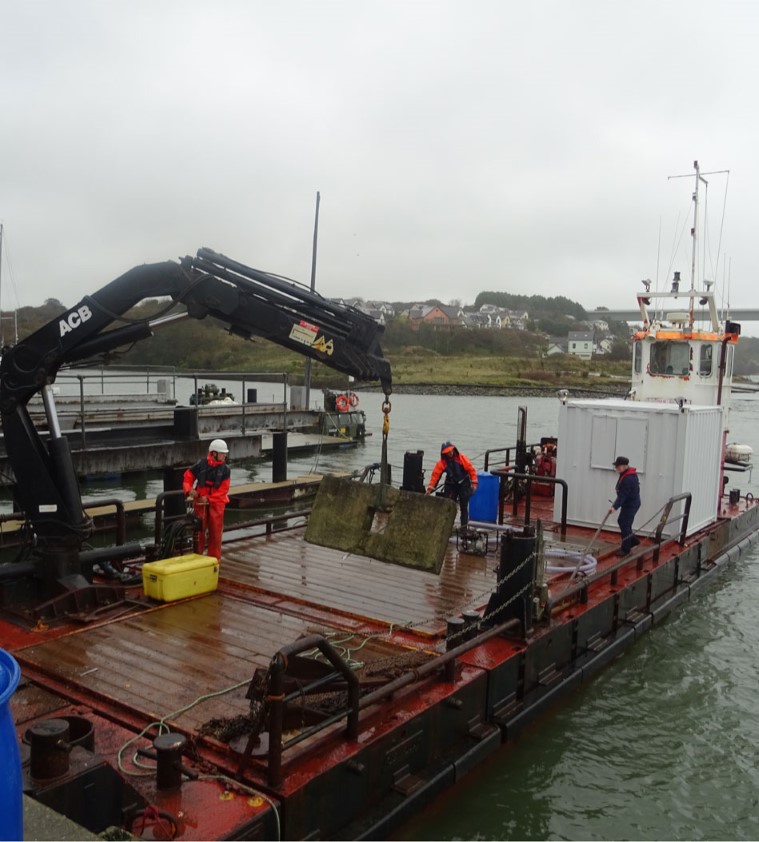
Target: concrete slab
x=382, y=522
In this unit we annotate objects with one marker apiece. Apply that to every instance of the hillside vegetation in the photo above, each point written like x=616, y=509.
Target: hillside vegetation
x=489, y=358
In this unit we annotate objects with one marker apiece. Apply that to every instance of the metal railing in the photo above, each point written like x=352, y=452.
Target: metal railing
x=638, y=556
x=508, y=451
x=506, y=474
x=156, y=382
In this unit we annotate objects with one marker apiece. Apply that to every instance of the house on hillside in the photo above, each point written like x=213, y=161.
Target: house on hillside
x=518, y=319
x=436, y=315
x=604, y=345
x=378, y=310
x=580, y=344
x=556, y=345
x=476, y=320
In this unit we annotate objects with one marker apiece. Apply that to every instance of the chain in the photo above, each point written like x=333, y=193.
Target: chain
x=384, y=467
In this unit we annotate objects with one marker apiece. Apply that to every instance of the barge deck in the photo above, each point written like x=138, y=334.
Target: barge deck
x=433, y=701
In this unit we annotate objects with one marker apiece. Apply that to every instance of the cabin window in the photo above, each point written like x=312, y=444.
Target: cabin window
x=637, y=356
x=729, y=364
x=670, y=358
x=705, y=361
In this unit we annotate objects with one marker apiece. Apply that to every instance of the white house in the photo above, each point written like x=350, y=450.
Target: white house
x=580, y=343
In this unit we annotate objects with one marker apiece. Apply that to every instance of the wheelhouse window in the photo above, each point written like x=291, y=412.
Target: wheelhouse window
x=670, y=358
x=637, y=356
x=705, y=360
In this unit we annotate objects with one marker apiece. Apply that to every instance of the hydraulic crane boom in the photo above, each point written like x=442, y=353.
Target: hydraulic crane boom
x=249, y=301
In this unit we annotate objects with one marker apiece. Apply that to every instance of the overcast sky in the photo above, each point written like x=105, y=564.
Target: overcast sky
x=457, y=146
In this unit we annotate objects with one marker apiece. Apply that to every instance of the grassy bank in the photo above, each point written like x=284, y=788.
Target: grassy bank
x=419, y=368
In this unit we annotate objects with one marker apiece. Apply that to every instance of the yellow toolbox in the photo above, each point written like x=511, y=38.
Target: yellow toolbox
x=180, y=577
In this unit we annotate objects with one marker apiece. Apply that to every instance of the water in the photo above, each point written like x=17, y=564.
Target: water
x=663, y=743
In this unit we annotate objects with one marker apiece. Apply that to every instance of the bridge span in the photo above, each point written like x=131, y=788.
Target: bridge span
x=736, y=315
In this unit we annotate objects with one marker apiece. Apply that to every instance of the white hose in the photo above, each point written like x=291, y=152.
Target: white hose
x=574, y=562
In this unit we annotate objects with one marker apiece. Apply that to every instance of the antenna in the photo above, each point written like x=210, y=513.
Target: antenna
x=694, y=230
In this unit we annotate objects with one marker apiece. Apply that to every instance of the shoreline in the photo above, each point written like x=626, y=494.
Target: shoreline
x=473, y=390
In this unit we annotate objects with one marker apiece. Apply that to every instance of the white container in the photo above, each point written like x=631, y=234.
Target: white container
x=674, y=450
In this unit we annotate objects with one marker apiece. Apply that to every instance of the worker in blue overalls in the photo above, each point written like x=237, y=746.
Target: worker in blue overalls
x=627, y=501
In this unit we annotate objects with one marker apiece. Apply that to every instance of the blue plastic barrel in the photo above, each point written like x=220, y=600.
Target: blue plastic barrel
x=484, y=503
x=11, y=804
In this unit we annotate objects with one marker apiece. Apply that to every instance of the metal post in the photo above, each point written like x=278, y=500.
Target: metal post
x=243, y=402
x=81, y=411
x=307, y=378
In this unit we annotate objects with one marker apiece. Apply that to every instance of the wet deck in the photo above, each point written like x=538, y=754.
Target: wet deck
x=153, y=664
x=297, y=576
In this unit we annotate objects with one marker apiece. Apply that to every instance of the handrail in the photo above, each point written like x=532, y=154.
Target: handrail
x=270, y=522
x=684, y=517
x=159, y=515
x=120, y=514
x=507, y=451
x=636, y=555
x=276, y=696
x=505, y=473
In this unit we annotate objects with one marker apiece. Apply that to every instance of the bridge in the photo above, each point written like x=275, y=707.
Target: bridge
x=736, y=315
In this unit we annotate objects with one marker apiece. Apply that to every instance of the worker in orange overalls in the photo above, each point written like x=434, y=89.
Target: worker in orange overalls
x=206, y=484
x=460, y=478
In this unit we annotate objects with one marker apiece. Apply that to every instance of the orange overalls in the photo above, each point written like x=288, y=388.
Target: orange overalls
x=211, y=480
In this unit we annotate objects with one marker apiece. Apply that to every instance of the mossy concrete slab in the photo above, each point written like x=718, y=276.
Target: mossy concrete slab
x=402, y=527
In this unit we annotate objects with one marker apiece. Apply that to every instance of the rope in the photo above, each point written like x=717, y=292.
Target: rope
x=163, y=728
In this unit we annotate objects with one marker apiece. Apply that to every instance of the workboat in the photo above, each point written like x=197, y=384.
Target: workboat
x=284, y=693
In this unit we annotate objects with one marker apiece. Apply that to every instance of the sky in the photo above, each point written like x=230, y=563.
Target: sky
x=456, y=146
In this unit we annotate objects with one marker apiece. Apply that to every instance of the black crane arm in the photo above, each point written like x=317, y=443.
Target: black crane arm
x=249, y=301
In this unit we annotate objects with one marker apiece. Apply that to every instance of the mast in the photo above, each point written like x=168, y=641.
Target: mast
x=694, y=238
x=694, y=232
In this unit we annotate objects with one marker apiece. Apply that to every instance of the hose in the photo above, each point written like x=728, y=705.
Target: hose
x=575, y=562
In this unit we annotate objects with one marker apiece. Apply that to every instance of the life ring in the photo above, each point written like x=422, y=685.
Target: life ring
x=353, y=398
x=342, y=404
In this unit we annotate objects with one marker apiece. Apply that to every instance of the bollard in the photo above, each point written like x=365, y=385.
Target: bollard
x=471, y=620
x=279, y=457
x=413, y=474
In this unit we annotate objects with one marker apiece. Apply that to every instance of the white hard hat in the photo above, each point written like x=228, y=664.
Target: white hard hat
x=219, y=445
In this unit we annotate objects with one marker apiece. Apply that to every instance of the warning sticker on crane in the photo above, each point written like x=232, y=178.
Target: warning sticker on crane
x=307, y=334
x=304, y=332
x=326, y=347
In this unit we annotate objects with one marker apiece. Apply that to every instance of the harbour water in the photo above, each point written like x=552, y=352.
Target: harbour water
x=663, y=744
